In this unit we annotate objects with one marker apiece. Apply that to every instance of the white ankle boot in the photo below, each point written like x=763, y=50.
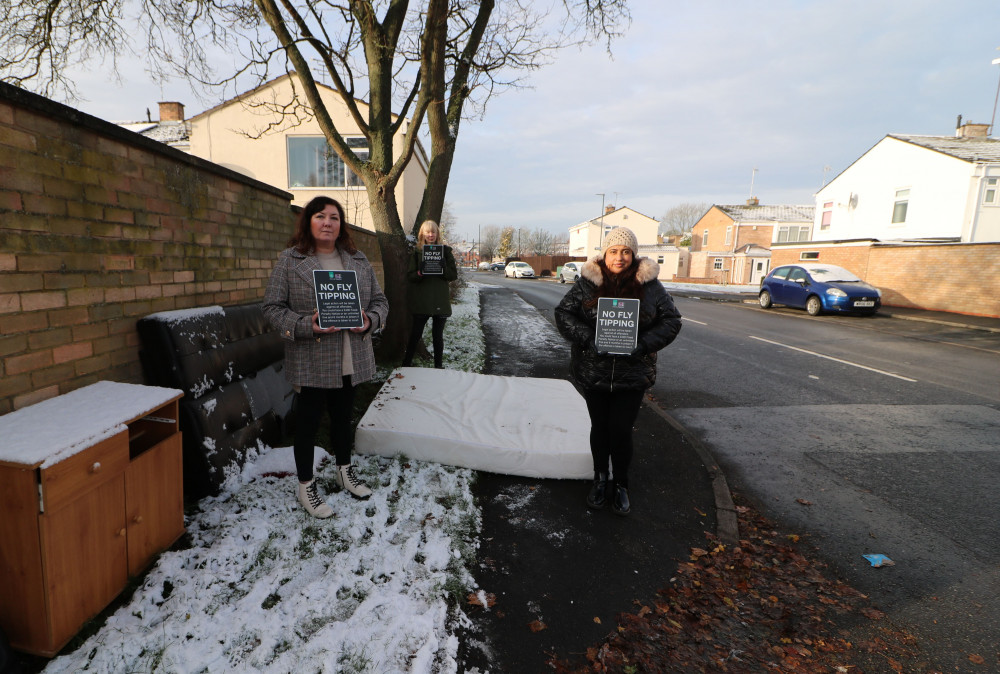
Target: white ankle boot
x=311, y=501
x=346, y=479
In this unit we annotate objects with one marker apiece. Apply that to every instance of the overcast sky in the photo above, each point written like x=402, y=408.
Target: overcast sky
x=696, y=96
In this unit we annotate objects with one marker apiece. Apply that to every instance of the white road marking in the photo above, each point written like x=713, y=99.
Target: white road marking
x=836, y=360
x=691, y=320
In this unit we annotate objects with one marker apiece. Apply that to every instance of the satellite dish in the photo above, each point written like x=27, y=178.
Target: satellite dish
x=853, y=201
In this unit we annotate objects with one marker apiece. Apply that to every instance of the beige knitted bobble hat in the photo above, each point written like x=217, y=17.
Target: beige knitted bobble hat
x=620, y=236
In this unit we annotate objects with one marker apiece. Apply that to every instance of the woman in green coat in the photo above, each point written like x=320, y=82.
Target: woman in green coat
x=429, y=294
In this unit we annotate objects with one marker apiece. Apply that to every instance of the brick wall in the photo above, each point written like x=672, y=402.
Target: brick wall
x=99, y=227
x=956, y=277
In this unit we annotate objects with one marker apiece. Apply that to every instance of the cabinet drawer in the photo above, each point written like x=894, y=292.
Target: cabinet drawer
x=68, y=479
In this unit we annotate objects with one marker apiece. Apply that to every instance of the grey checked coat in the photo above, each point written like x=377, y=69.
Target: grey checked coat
x=289, y=304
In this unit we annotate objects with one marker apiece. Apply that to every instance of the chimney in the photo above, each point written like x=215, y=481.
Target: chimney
x=753, y=201
x=609, y=210
x=171, y=111
x=970, y=130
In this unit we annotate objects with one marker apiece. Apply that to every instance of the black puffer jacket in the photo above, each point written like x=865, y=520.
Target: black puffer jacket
x=659, y=324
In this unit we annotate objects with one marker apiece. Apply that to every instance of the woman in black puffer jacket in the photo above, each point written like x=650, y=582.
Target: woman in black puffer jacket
x=613, y=385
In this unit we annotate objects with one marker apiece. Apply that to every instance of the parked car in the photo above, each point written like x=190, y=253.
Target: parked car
x=518, y=269
x=570, y=272
x=817, y=288
x=497, y=266
x=484, y=266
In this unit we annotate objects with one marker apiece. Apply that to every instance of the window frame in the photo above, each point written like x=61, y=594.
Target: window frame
x=991, y=193
x=900, y=206
x=717, y=264
x=334, y=166
x=827, y=216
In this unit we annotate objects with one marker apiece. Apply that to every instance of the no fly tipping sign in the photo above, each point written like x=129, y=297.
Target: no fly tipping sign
x=337, y=298
x=617, y=325
x=432, y=261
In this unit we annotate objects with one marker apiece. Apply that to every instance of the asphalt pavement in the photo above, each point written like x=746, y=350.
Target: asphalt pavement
x=559, y=574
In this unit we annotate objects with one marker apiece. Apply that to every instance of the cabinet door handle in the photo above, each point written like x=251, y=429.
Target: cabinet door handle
x=121, y=533
x=96, y=468
x=137, y=519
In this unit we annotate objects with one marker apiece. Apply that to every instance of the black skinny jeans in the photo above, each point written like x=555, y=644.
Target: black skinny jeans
x=437, y=336
x=612, y=416
x=309, y=407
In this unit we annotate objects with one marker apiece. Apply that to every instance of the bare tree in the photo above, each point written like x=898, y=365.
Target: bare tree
x=489, y=242
x=682, y=218
x=538, y=242
x=433, y=61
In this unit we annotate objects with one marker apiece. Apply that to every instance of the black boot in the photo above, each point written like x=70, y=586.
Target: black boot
x=619, y=501
x=598, y=496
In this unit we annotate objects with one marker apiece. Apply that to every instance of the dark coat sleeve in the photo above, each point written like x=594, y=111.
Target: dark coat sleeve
x=571, y=321
x=665, y=321
x=450, y=268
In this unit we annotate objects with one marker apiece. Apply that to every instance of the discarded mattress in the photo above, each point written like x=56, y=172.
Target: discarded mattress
x=510, y=425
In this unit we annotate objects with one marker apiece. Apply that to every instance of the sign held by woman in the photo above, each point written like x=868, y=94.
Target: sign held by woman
x=337, y=298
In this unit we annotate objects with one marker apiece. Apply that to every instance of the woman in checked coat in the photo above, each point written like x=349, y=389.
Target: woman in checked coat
x=323, y=364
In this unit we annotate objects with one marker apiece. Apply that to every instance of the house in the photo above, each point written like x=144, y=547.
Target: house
x=248, y=134
x=731, y=243
x=585, y=238
x=919, y=218
x=916, y=188
x=170, y=129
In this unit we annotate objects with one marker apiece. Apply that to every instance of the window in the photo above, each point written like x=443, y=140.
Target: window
x=729, y=234
x=659, y=259
x=899, y=207
x=313, y=163
x=797, y=274
x=704, y=238
x=718, y=263
x=793, y=233
x=990, y=196
x=814, y=255
x=827, y=215
x=781, y=272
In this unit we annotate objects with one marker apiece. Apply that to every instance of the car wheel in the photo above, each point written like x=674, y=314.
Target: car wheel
x=765, y=299
x=813, y=305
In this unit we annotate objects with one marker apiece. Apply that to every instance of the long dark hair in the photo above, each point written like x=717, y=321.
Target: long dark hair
x=625, y=284
x=303, y=240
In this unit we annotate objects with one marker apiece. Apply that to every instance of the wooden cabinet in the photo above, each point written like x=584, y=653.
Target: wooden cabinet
x=91, y=490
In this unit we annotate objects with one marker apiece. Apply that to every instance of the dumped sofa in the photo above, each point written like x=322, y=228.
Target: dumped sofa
x=228, y=361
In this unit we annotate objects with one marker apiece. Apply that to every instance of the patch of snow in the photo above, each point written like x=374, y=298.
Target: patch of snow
x=261, y=586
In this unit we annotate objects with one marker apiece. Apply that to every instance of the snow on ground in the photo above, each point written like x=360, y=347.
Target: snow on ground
x=264, y=587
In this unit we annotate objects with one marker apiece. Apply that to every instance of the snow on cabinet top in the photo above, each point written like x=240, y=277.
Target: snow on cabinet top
x=54, y=429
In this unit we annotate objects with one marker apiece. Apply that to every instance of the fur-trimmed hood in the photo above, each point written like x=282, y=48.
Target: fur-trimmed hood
x=648, y=270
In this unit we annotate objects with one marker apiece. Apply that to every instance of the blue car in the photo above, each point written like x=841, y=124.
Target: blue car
x=818, y=288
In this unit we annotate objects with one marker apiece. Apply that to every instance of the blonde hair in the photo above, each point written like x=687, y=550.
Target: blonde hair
x=428, y=224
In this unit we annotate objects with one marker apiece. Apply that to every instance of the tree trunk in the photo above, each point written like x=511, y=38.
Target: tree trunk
x=392, y=244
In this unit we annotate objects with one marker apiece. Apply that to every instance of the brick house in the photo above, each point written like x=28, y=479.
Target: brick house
x=731, y=243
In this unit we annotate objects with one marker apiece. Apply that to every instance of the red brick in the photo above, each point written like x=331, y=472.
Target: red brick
x=28, y=362
x=63, y=354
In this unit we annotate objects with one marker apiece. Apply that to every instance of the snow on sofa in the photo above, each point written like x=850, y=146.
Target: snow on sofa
x=228, y=361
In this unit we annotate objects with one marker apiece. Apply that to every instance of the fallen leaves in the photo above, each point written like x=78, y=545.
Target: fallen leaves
x=762, y=606
x=536, y=626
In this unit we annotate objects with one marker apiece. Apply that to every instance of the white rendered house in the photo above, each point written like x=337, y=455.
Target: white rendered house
x=916, y=188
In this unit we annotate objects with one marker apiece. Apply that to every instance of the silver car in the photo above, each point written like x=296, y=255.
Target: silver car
x=570, y=272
